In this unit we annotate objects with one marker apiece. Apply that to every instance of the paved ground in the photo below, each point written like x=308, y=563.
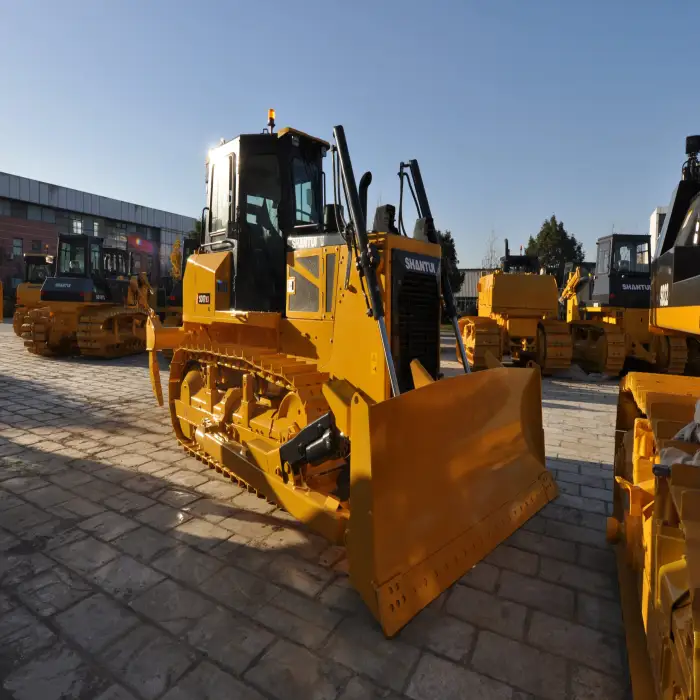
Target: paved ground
x=128, y=570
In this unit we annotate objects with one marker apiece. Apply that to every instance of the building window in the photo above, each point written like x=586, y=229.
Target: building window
x=36, y=246
x=34, y=212
x=48, y=215
x=16, y=247
x=5, y=207
x=96, y=228
x=77, y=226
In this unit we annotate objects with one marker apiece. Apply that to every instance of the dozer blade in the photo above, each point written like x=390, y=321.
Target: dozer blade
x=439, y=476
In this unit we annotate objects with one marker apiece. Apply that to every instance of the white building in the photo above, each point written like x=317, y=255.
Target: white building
x=656, y=223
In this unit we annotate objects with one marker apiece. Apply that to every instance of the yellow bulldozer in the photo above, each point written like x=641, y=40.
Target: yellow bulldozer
x=656, y=501
x=307, y=369
x=92, y=306
x=37, y=268
x=518, y=316
x=608, y=312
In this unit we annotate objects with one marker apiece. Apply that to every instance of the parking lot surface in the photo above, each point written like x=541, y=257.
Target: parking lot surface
x=129, y=570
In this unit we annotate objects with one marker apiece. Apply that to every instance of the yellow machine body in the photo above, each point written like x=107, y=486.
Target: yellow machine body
x=90, y=327
x=436, y=477
x=517, y=317
x=654, y=525
x=656, y=497
x=28, y=298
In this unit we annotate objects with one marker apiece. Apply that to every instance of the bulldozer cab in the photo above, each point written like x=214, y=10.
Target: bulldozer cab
x=622, y=276
x=38, y=267
x=519, y=263
x=262, y=189
x=676, y=265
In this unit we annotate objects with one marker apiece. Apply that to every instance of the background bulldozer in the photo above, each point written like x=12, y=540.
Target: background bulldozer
x=169, y=294
x=656, y=500
x=92, y=306
x=307, y=369
x=37, y=268
x=608, y=311
x=518, y=310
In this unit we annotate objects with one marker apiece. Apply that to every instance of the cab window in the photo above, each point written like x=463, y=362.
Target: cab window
x=603, y=262
x=307, y=208
x=631, y=257
x=71, y=258
x=221, y=193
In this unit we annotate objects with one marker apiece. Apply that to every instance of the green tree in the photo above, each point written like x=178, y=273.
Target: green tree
x=555, y=246
x=196, y=232
x=449, y=257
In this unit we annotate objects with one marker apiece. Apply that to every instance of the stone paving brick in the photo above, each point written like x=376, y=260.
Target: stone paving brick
x=56, y=674
x=215, y=488
x=542, y=544
x=95, y=622
x=148, y=661
x=520, y=665
x=515, y=559
x=230, y=639
x=108, y=525
x=9, y=500
x=440, y=633
x=125, y=578
x=172, y=606
x=162, y=517
x=207, y=682
x=188, y=565
x=574, y=533
x=239, y=590
x=598, y=559
x=48, y=496
x=574, y=516
x=599, y=613
x=145, y=544
x=340, y=595
x=482, y=576
x=143, y=483
x=251, y=502
x=116, y=692
x=53, y=591
x=22, y=517
x=359, y=644
x=177, y=497
x=85, y=555
x=359, y=688
x=587, y=684
x=290, y=672
x=301, y=575
x=576, y=642
x=538, y=594
x=16, y=566
x=18, y=645
x=487, y=611
x=128, y=502
x=436, y=679
x=81, y=507
x=200, y=534
x=578, y=577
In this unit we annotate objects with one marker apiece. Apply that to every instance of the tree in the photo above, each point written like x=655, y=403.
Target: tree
x=492, y=258
x=196, y=232
x=555, y=246
x=449, y=258
x=176, y=260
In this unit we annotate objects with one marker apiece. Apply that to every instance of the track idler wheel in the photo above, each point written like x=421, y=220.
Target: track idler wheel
x=480, y=335
x=671, y=354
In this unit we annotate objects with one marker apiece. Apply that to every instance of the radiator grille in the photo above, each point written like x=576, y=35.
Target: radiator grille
x=416, y=325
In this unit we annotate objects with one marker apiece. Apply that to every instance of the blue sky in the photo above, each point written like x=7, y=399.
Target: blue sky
x=516, y=110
